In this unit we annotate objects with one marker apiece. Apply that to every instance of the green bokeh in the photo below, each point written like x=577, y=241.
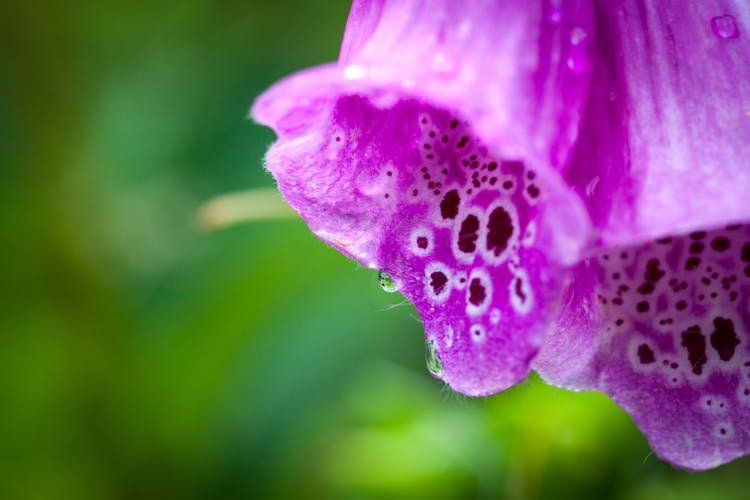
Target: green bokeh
x=143, y=358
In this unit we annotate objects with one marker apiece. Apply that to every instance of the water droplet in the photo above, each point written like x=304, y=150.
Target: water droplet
x=442, y=64
x=386, y=282
x=578, y=50
x=554, y=14
x=725, y=27
x=591, y=186
x=433, y=362
x=354, y=72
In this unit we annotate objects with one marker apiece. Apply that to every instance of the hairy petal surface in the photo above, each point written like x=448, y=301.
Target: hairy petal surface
x=433, y=151
x=659, y=321
x=463, y=233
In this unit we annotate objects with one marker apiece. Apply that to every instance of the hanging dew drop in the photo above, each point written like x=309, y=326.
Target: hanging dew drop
x=725, y=27
x=433, y=362
x=386, y=282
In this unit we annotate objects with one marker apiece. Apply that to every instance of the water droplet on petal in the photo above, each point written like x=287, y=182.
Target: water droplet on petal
x=433, y=362
x=443, y=64
x=725, y=27
x=386, y=282
x=591, y=186
x=578, y=50
x=354, y=72
x=554, y=14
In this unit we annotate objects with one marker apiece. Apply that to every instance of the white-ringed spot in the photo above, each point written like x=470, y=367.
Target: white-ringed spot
x=521, y=295
x=437, y=281
x=477, y=333
x=478, y=292
x=421, y=242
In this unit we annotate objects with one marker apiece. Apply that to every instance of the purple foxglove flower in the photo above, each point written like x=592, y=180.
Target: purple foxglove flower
x=515, y=167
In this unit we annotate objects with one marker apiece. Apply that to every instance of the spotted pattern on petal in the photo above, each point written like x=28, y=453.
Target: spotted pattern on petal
x=458, y=237
x=677, y=311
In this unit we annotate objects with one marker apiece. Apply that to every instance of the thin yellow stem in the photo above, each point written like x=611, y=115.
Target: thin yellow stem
x=252, y=205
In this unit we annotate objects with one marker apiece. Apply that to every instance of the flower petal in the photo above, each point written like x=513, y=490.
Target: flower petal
x=661, y=324
x=445, y=175
x=665, y=140
x=674, y=346
x=518, y=70
x=464, y=234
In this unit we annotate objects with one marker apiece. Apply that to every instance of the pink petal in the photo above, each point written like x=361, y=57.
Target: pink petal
x=665, y=140
x=387, y=157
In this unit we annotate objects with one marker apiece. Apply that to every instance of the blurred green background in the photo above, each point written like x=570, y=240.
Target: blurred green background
x=141, y=357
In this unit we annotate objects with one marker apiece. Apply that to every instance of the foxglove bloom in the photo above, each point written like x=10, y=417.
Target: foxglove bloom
x=557, y=185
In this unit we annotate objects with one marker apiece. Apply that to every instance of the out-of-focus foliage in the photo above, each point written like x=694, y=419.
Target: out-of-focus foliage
x=143, y=358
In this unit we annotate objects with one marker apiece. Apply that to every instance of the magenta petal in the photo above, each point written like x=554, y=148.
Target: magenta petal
x=470, y=238
x=388, y=159
x=665, y=140
x=664, y=332
x=517, y=70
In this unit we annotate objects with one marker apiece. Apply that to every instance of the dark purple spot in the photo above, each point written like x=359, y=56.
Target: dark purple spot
x=449, y=205
x=664, y=241
x=422, y=242
x=468, y=234
x=698, y=235
x=500, y=229
x=746, y=252
x=642, y=307
x=653, y=273
x=724, y=338
x=695, y=343
x=646, y=288
x=492, y=166
x=519, y=290
x=617, y=301
x=720, y=243
x=462, y=142
x=696, y=247
x=493, y=180
x=454, y=124
x=477, y=293
x=508, y=184
x=734, y=227
x=533, y=191
x=438, y=281
x=619, y=321
x=681, y=305
x=692, y=263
